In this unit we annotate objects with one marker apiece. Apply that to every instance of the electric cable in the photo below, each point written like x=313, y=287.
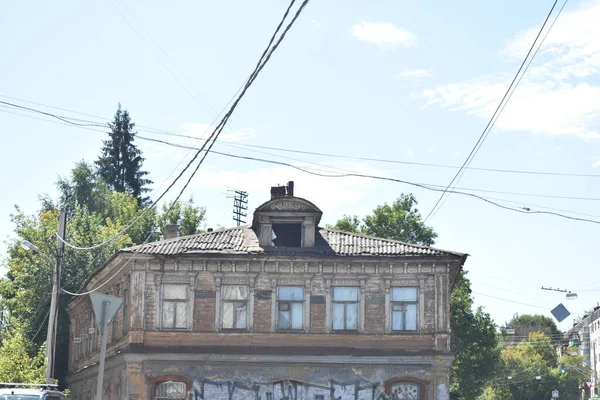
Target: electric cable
x=485, y=132
x=217, y=131
x=288, y=150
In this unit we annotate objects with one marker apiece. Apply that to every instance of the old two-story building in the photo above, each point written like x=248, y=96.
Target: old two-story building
x=279, y=309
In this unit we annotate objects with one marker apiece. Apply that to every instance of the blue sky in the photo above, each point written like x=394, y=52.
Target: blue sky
x=411, y=81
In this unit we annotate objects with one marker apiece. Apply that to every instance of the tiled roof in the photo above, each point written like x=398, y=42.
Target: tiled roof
x=243, y=240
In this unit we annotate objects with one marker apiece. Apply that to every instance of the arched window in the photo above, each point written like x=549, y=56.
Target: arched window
x=405, y=388
x=171, y=390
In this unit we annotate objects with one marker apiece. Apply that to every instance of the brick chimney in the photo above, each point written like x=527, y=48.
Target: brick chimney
x=171, y=231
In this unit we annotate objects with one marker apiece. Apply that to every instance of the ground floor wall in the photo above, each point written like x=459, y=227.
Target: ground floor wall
x=220, y=377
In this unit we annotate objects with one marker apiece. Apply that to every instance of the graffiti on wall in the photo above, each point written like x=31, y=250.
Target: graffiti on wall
x=292, y=390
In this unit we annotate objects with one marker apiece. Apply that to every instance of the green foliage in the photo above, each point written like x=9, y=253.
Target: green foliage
x=96, y=213
x=473, y=337
x=529, y=360
x=526, y=324
x=348, y=224
x=16, y=363
x=474, y=343
x=187, y=216
x=399, y=221
x=120, y=164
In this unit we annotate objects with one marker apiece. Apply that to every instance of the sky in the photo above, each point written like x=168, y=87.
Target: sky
x=409, y=81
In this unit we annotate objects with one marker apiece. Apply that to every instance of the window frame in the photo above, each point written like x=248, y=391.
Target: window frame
x=358, y=303
x=156, y=382
x=224, y=301
x=125, y=311
x=403, y=304
x=406, y=380
x=303, y=302
x=187, y=304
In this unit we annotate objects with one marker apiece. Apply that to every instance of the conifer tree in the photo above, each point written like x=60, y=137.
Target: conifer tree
x=120, y=164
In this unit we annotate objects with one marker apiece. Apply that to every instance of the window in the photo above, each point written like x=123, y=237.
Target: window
x=125, y=311
x=287, y=235
x=345, y=308
x=291, y=307
x=234, y=307
x=171, y=390
x=404, y=309
x=174, y=313
x=405, y=391
x=113, y=334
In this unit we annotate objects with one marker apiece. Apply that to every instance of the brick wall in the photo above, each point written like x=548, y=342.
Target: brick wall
x=375, y=313
x=204, y=311
x=317, y=314
x=262, y=311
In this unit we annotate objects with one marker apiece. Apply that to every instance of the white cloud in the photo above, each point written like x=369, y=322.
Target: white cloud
x=414, y=73
x=597, y=163
x=384, y=35
x=409, y=153
x=557, y=96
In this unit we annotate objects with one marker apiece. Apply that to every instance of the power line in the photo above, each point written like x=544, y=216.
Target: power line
x=359, y=175
x=486, y=130
x=429, y=186
x=509, y=96
x=266, y=56
x=288, y=150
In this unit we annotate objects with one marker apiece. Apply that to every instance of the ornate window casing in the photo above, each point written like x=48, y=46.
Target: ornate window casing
x=170, y=388
x=235, y=303
x=125, y=311
x=405, y=388
x=404, y=305
x=404, y=312
x=286, y=222
x=290, y=308
x=175, y=301
x=345, y=305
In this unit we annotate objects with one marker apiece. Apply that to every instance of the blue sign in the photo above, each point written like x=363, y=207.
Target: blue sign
x=555, y=394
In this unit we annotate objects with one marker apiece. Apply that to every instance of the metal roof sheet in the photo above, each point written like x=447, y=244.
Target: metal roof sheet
x=243, y=240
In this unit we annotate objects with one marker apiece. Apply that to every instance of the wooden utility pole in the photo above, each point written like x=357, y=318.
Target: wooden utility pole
x=53, y=319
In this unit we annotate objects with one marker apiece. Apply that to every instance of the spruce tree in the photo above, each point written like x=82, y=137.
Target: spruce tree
x=120, y=164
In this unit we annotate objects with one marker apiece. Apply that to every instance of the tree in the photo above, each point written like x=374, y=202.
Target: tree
x=474, y=342
x=531, y=370
x=473, y=337
x=187, y=216
x=120, y=164
x=96, y=213
x=16, y=363
x=526, y=324
x=399, y=221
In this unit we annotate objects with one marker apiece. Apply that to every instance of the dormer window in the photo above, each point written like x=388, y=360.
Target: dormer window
x=286, y=220
x=287, y=234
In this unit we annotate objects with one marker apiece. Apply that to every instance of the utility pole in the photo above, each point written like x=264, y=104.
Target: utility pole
x=240, y=205
x=53, y=319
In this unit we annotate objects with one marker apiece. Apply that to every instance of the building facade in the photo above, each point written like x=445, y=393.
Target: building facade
x=277, y=310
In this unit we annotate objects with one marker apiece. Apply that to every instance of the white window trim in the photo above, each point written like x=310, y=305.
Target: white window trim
x=361, y=309
x=190, y=308
x=219, y=307
x=305, y=310
x=388, y=309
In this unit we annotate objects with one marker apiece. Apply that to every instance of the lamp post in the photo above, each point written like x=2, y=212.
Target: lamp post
x=52, y=321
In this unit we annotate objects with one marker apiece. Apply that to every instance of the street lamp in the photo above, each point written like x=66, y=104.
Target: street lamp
x=27, y=245
x=52, y=320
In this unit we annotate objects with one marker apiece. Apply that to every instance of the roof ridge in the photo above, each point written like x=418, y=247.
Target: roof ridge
x=185, y=237
x=391, y=240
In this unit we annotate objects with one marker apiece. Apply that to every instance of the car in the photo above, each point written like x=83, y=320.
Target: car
x=30, y=391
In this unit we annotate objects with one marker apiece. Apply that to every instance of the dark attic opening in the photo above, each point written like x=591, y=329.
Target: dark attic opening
x=287, y=235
